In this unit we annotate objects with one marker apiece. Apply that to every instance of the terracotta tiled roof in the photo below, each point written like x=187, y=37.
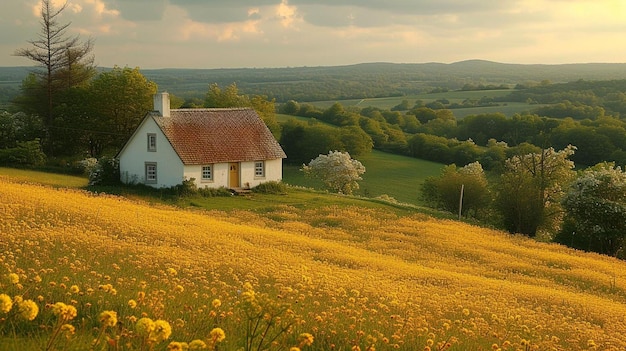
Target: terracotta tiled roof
x=203, y=136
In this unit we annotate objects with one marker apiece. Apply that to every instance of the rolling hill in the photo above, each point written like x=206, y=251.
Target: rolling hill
x=311, y=276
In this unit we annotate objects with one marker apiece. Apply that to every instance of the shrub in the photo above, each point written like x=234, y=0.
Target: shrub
x=105, y=172
x=214, y=192
x=272, y=187
x=26, y=153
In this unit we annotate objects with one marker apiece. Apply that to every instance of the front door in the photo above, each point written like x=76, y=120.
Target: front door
x=234, y=175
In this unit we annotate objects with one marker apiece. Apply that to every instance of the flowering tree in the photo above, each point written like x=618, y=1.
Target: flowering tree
x=444, y=191
x=595, y=206
x=531, y=188
x=337, y=170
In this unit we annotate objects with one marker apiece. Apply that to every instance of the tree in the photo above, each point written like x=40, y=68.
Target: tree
x=118, y=101
x=531, y=188
x=337, y=170
x=595, y=211
x=444, y=191
x=66, y=61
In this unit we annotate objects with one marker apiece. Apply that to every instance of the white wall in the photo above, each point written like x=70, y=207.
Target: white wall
x=220, y=175
x=273, y=172
x=135, y=155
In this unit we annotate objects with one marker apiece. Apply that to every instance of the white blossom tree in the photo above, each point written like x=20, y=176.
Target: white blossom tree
x=595, y=207
x=531, y=188
x=337, y=170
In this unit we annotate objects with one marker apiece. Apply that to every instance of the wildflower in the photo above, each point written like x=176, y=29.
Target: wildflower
x=179, y=323
x=74, y=289
x=294, y=348
x=197, y=345
x=305, y=339
x=14, y=278
x=132, y=303
x=217, y=335
x=68, y=330
x=495, y=347
x=63, y=311
x=175, y=346
x=171, y=272
x=591, y=343
x=216, y=303
x=162, y=330
x=28, y=309
x=466, y=312
x=179, y=288
x=5, y=303
x=144, y=327
x=108, y=318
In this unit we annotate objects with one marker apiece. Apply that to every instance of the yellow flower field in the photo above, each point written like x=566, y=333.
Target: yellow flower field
x=83, y=271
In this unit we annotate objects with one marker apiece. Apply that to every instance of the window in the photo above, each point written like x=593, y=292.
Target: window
x=207, y=172
x=151, y=173
x=259, y=169
x=151, y=142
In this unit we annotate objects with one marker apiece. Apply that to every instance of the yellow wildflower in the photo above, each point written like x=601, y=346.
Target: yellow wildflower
x=68, y=330
x=14, y=278
x=217, y=335
x=305, y=339
x=132, y=303
x=162, y=330
x=175, y=346
x=144, y=327
x=294, y=349
x=197, y=345
x=28, y=309
x=5, y=303
x=108, y=318
x=63, y=311
x=74, y=289
x=172, y=272
x=216, y=303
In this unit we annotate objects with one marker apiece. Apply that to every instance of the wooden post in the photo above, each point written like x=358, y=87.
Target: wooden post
x=461, y=200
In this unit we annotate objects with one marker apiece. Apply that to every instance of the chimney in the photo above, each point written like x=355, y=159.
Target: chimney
x=162, y=104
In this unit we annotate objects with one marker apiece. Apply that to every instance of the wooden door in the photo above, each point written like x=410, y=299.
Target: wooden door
x=234, y=175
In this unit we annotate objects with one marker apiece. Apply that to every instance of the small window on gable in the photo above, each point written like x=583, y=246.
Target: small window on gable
x=151, y=173
x=207, y=172
x=259, y=169
x=151, y=142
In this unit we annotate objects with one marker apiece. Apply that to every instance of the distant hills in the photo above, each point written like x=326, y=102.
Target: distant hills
x=364, y=80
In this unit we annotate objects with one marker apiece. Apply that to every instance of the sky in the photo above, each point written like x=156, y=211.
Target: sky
x=295, y=33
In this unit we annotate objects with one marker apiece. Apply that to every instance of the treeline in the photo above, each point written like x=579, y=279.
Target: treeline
x=436, y=135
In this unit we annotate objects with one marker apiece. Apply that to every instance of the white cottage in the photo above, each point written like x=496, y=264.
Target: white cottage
x=218, y=147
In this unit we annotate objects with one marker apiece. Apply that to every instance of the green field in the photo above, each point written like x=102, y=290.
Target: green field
x=397, y=176
x=507, y=108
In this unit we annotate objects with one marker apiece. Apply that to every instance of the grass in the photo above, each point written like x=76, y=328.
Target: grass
x=46, y=178
x=398, y=176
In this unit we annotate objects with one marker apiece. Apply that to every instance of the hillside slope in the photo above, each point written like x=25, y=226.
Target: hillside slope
x=348, y=276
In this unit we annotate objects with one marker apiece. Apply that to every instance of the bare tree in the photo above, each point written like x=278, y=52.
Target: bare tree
x=66, y=61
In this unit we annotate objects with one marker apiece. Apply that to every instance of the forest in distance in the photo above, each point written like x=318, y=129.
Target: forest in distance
x=366, y=80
